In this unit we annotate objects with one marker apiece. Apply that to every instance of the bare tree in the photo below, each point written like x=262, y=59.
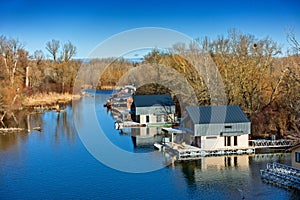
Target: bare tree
x=9, y=52
x=69, y=50
x=38, y=56
x=294, y=43
x=53, y=47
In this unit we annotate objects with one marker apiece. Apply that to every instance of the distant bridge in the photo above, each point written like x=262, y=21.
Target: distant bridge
x=272, y=143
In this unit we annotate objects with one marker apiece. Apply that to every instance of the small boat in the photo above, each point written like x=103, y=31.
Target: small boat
x=158, y=146
x=108, y=104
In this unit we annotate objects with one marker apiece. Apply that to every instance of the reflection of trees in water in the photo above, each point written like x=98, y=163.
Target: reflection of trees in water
x=11, y=139
x=34, y=120
x=188, y=169
x=65, y=126
x=61, y=124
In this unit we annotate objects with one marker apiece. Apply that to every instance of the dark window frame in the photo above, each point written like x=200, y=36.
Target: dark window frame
x=227, y=141
x=297, y=157
x=235, y=140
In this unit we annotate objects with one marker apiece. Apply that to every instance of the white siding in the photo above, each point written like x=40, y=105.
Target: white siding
x=217, y=142
x=143, y=119
x=152, y=119
x=243, y=141
x=209, y=144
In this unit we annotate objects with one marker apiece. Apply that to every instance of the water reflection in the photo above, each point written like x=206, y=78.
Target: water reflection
x=48, y=122
x=65, y=125
x=232, y=177
x=40, y=165
x=143, y=136
x=10, y=140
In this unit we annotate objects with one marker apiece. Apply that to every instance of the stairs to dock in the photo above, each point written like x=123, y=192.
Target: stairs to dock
x=281, y=175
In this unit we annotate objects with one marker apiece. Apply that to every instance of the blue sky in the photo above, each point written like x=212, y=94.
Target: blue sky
x=88, y=23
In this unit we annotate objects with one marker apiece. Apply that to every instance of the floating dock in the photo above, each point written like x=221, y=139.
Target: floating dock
x=188, y=152
x=281, y=175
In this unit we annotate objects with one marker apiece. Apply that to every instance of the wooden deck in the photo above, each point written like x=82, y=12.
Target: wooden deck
x=188, y=152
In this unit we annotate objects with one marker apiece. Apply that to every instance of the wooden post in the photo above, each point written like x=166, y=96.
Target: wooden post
x=172, y=139
x=28, y=123
x=27, y=77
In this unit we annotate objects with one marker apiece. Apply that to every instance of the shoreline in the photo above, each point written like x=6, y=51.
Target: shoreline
x=46, y=100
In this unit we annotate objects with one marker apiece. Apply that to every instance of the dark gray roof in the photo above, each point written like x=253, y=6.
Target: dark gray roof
x=216, y=114
x=151, y=100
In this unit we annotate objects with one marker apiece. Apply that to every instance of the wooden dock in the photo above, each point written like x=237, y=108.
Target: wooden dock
x=281, y=175
x=188, y=152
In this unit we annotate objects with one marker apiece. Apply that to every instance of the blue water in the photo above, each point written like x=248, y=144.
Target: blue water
x=54, y=164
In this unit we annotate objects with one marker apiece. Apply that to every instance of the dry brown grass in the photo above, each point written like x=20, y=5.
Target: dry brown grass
x=48, y=99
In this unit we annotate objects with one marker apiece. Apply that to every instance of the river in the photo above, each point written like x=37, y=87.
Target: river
x=55, y=164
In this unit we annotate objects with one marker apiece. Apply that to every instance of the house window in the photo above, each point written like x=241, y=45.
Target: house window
x=297, y=157
x=147, y=131
x=166, y=118
x=235, y=140
x=158, y=118
x=227, y=141
x=211, y=137
x=147, y=119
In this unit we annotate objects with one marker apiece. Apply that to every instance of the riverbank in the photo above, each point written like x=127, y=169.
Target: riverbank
x=49, y=99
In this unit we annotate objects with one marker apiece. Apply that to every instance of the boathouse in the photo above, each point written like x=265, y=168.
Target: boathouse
x=216, y=127
x=151, y=109
x=295, y=156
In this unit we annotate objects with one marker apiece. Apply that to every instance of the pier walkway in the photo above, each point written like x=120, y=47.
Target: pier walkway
x=281, y=175
x=257, y=144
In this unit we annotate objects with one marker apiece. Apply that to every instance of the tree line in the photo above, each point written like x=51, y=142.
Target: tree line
x=256, y=75
x=23, y=75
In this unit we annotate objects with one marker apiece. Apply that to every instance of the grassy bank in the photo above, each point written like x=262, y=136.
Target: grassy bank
x=46, y=99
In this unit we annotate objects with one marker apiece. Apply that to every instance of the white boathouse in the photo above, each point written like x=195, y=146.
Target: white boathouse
x=216, y=127
x=152, y=109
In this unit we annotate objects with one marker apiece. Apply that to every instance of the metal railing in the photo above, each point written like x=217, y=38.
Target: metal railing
x=271, y=143
x=282, y=175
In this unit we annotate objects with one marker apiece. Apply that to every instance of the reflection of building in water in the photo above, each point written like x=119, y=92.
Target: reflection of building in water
x=139, y=141
x=144, y=136
x=225, y=172
x=216, y=127
x=221, y=162
x=145, y=131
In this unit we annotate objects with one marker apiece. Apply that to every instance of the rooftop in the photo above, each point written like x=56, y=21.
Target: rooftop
x=151, y=100
x=216, y=114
